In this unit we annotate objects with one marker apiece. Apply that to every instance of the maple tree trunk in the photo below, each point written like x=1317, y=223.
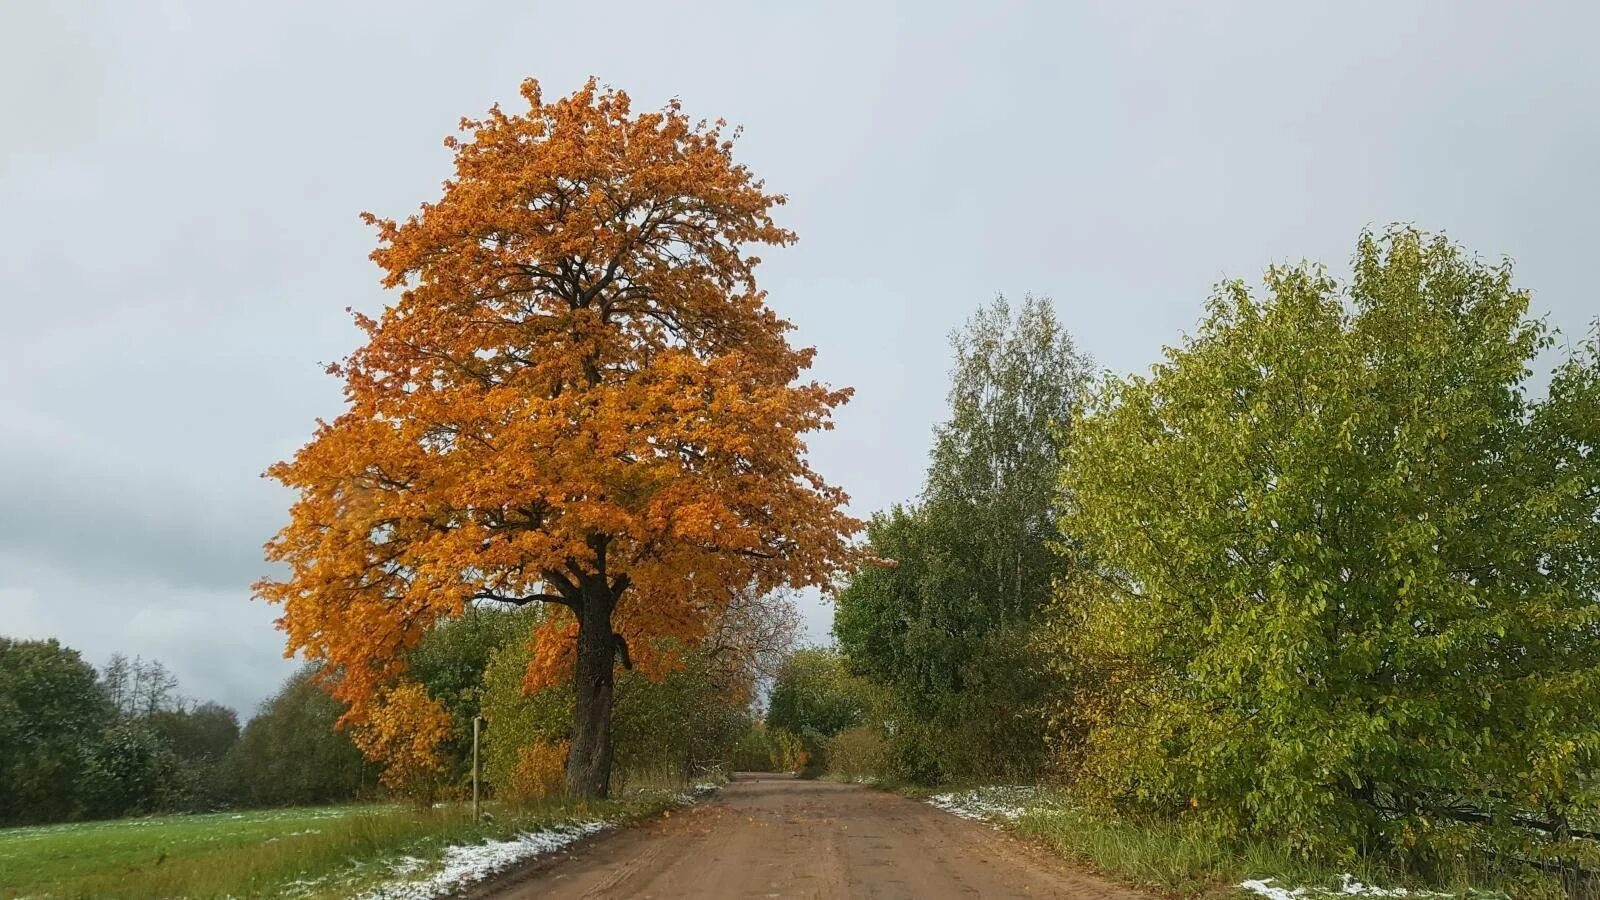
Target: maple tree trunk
x=589, y=760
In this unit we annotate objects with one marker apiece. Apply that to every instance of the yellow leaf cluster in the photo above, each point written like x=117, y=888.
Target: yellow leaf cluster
x=540, y=772
x=403, y=726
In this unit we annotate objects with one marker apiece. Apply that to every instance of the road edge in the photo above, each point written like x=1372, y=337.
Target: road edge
x=537, y=865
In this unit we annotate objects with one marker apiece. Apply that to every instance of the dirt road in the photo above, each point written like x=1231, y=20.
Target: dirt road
x=775, y=836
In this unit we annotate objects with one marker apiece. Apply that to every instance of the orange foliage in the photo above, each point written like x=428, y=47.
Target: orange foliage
x=579, y=391
x=537, y=773
x=403, y=727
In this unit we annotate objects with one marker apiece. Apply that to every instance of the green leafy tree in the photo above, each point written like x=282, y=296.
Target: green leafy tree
x=290, y=753
x=1335, y=571
x=451, y=662
x=947, y=626
x=515, y=718
x=674, y=727
x=814, y=698
x=130, y=770
x=51, y=714
x=200, y=737
x=205, y=732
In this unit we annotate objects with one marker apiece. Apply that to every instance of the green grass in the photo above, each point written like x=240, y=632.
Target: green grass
x=1174, y=859
x=310, y=853
x=1170, y=858
x=1183, y=860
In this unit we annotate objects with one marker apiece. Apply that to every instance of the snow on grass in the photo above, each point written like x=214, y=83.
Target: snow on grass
x=697, y=792
x=1348, y=887
x=468, y=864
x=997, y=803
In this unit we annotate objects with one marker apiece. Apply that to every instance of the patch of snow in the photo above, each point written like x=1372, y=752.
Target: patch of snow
x=1348, y=887
x=467, y=864
x=986, y=804
x=697, y=792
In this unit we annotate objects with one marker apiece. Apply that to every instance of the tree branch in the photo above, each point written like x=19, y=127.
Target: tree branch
x=521, y=601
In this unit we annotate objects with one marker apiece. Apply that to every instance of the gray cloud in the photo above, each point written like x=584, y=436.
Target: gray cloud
x=179, y=184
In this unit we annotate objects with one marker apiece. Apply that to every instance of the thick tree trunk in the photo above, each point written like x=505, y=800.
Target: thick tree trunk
x=589, y=760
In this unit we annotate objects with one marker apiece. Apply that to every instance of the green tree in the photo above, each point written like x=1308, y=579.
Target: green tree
x=200, y=738
x=674, y=727
x=205, y=732
x=130, y=770
x=946, y=627
x=51, y=714
x=1335, y=572
x=515, y=718
x=451, y=663
x=290, y=753
x=814, y=698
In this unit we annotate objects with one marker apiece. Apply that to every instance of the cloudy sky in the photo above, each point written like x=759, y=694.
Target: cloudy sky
x=180, y=183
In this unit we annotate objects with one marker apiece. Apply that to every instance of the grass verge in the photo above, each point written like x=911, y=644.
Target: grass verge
x=1174, y=859
x=307, y=853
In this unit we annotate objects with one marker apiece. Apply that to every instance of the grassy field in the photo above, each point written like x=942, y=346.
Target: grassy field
x=309, y=853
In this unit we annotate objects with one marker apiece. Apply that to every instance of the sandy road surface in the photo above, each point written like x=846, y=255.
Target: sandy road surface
x=774, y=836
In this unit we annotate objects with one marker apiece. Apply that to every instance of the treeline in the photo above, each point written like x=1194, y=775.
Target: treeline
x=76, y=743
x=1327, y=576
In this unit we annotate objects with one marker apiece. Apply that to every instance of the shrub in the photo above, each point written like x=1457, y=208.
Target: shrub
x=540, y=772
x=858, y=754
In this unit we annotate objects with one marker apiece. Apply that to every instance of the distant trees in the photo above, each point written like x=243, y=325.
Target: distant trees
x=74, y=744
x=291, y=753
x=815, y=698
x=139, y=687
x=1335, y=573
x=816, y=695
x=669, y=726
x=947, y=625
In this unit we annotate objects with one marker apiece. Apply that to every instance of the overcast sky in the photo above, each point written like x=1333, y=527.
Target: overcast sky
x=180, y=184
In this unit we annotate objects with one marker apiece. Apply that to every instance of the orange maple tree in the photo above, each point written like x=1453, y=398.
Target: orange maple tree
x=580, y=398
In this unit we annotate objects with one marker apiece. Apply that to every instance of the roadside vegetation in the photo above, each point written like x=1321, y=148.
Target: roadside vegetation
x=349, y=850
x=672, y=734
x=1315, y=601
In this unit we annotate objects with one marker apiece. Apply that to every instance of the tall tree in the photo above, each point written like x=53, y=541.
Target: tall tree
x=1338, y=570
x=946, y=627
x=580, y=398
x=139, y=686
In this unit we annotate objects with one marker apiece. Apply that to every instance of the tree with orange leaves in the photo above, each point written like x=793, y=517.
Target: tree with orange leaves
x=580, y=399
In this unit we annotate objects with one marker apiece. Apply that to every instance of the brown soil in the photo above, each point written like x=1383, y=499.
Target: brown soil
x=775, y=836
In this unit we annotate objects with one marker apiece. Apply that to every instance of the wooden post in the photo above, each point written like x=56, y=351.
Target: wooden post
x=475, y=816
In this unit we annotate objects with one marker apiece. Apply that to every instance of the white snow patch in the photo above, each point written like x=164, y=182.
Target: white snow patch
x=470, y=863
x=986, y=804
x=405, y=865
x=1348, y=887
x=697, y=792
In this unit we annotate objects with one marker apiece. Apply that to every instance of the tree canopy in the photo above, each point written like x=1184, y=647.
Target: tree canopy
x=1336, y=568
